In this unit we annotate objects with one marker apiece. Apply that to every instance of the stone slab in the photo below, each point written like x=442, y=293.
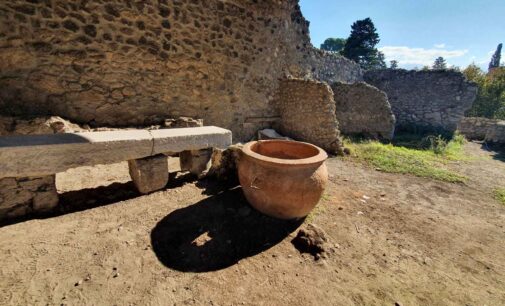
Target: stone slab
x=187, y=139
x=40, y=155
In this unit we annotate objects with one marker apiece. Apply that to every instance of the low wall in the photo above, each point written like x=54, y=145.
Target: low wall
x=21, y=196
x=433, y=99
x=307, y=111
x=476, y=128
x=363, y=109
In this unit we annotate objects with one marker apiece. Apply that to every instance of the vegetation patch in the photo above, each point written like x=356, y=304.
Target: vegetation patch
x=500, y=195
x=423, y=162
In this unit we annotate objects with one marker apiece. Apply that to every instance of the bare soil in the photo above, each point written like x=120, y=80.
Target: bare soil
x=394, y=239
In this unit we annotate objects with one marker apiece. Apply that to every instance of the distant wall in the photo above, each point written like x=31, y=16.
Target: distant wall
x=363, y=109
x=435, y=99
x=476, y=128
x=330, y=68
x=307, y=112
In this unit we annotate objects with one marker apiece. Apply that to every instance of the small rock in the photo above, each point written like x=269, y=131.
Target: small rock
x=312, y=240
x=116, y=275
x=365, y=197
x=360, y=213
x=78, y=283
x=268, y=134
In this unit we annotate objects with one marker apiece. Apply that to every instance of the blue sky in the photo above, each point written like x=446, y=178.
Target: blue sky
x=415, y=32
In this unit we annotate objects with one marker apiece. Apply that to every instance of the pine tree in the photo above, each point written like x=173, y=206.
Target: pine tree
x=440, y=64
x=393, y=64
x=495, y=60
x=361, y=44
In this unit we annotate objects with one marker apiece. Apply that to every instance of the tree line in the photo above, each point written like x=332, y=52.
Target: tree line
x=361, y=47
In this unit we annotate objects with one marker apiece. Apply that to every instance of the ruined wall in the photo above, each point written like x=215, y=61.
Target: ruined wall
x=124, y=63
x=331, y=68
x=476, y=128
x=21, y=196
x=435, y=99
x=363, y=109
x=307, y=112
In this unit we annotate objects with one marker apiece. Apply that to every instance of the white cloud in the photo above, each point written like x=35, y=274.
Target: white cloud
x=440, y=46
x=418, y=56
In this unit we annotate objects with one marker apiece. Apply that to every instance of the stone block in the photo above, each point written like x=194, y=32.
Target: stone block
x=21, y=196
x=198, y=162
x=149, y=174
x=268, y=134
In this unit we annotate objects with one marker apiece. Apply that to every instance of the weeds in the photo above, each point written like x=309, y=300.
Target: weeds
x=500, y=195
x=427, y=162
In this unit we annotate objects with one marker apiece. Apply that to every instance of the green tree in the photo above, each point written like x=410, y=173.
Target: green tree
x=440, y=64
x=474, y=73
x=393, y=64
x=361, y=45
x=333, y=44
x=378, y=61
x=490, y=102
x=495, y=60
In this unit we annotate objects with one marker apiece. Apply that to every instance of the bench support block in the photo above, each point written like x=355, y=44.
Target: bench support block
x=149, y=174
x=197, y=162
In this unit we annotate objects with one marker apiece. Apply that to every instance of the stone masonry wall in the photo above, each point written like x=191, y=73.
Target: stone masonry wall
x=331, y=68
x=21, y=196
x=363, y=109
x=307, y=113
x=121, y=63
x=476, y=128
x=434, y=99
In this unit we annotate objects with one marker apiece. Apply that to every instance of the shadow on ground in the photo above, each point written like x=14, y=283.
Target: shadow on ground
x=497, y=150
x=84, y=199
x=216, y=233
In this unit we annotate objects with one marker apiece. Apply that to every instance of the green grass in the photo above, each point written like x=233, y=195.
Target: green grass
x=420, y=162
x=500, y=195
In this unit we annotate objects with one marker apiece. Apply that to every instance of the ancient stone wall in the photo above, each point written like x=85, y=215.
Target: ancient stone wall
x=307, y=111
x=331, y=68
x=121, y=63
x=21, y=196
x=476, y=128
x=434, y=99
x=363, y=109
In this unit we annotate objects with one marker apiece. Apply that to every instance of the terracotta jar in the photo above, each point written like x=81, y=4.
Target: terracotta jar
x=283, y=179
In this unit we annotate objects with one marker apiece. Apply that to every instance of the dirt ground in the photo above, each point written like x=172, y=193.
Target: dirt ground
x=395, y=239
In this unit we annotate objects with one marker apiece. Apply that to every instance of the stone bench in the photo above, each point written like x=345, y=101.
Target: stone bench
x=28, y=164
